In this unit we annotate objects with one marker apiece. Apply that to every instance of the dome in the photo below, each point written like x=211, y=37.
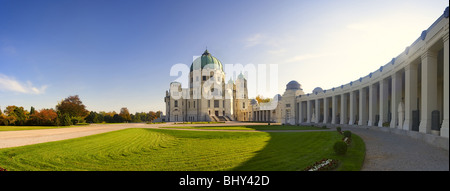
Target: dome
x=317, y=90
x=253, y=102
x=207, y=60
x=278, y=97
x=293, y=85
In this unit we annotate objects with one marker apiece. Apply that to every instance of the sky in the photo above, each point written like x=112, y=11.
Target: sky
x=117, y=53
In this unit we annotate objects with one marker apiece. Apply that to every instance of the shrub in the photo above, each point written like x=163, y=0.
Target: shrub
x=348, y=134
x=2, y=169
x=338, y=129
x=340, y=147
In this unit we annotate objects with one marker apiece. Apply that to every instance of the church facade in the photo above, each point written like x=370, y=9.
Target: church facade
x=208, y=97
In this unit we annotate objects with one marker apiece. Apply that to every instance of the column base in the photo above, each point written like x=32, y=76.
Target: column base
x=445, y=129
x=393, y=124
x=425, y=126
x=407, y=125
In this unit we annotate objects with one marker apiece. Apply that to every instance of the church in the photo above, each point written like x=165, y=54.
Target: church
x=208, y=97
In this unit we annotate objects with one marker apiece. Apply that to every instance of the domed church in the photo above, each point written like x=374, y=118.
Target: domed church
x=208, y=97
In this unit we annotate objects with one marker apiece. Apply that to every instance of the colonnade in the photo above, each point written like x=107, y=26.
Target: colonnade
x=261, y=115
x=411, y=92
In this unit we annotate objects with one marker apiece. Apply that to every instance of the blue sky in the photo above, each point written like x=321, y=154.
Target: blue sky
x=117, y=54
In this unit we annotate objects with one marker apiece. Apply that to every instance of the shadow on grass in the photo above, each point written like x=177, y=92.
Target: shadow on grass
x=296, y=151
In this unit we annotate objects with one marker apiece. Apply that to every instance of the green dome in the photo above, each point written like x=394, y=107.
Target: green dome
x=207, y=60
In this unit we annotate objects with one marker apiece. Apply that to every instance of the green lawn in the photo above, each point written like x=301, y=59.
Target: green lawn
x=161, y=150
x=250, y=127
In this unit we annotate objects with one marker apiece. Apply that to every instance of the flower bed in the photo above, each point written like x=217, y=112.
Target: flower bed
x=347, y=140
x=323, y=165
x=2, y=169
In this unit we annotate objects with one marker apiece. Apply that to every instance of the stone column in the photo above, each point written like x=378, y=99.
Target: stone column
x=300, y=112
x=384, y=90
x=395, y=98
x=445, y=122
x=325, y=110
x=344, y=108
x=333, y=109
x=352, y=108
x=317, y=110
x=362, y=107
x=410, y=94
x=308, y=111
x=428, y=90
x=373, y=104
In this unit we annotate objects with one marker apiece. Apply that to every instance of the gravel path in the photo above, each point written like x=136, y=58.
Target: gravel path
x=392, y=152
x=384, y=151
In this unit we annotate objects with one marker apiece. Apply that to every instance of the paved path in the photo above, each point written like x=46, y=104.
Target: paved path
x=384, y=151
x=392, y=152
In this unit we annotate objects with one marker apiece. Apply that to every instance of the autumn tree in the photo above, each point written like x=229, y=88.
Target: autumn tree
x=261, y=99
x=16, y=115
x=44, y=117
x=125, y=114
x=73, y=108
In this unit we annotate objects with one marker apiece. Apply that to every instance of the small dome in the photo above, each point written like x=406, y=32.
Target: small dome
x=241, y=76
x=253, y=102
x=317, y=90
x=293, y=85
x=278, y=97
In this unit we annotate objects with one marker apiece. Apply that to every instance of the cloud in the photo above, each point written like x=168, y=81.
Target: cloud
x=10, y=84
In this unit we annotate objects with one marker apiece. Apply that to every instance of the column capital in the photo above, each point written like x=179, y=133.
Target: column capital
x=445, y=37
x=411, y=66
x=428, y=53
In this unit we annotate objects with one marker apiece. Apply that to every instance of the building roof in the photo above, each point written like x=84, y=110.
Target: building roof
x=208, y=61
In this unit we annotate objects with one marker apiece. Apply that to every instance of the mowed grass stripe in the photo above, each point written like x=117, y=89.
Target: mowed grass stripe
x=157, y=149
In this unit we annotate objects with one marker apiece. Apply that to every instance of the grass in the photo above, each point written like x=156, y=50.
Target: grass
x=198, y=122
x=138, y=149
x=250, y=127
x=156, y=122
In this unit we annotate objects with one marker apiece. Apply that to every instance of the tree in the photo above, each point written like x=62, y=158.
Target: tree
x=16, y=115
x=117, y=119
x=151, y=116
x=73, y=107
x=44, y=117
x=261, y=99
x=32, y=110
x=3, y=120
x=125, y=114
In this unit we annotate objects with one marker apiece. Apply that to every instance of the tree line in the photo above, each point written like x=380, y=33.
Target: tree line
x=70, y=111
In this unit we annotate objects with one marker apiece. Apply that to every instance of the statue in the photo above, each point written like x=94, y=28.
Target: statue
x=401, y=114
x=313, y=118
